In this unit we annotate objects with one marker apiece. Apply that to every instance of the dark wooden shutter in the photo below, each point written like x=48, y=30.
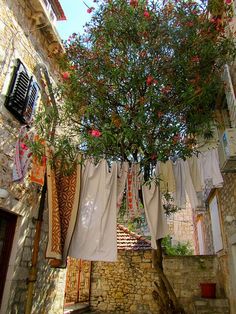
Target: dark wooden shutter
x=22, y=95
x=32, y=97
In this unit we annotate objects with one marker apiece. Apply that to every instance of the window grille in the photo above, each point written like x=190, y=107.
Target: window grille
x=22, y=95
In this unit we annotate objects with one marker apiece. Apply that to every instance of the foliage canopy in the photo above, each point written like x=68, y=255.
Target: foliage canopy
x=141, y=82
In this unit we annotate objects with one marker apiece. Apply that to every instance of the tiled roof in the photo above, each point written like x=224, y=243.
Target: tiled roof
x=128, y=240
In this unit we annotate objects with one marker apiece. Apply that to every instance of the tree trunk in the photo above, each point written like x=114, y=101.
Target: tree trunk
x=164, y=293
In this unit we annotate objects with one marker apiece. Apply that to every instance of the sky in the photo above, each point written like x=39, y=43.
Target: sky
x=77, y=16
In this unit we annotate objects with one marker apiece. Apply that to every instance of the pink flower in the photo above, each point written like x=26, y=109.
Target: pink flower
x=95, y=133
x=24, y=146
x=90, y=10
x=228, y=1
x=65, y=75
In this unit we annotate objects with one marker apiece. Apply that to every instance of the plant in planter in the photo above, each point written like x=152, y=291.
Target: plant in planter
x=139, y=85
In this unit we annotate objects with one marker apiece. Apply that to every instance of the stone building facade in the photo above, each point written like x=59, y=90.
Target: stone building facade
x=27, y=33
x=215, y=227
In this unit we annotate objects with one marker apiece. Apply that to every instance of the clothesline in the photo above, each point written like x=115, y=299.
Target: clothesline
x=94, y=194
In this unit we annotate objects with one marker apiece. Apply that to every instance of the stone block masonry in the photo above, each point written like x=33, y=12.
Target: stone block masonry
x=21, y=38
x=126, y=286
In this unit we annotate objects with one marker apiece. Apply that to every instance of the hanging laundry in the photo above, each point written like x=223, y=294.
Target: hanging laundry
x=209, y=167
x=22, y=156
x=94, y=237
x=184, y=184
x=196, y=174
x=166, y=174
x=38, y=166
x=154, y=212
x=63, y=200
x=122, y=172
x=132, y=192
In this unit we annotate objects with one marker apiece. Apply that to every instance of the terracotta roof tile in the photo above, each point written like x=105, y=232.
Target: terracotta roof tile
x=128, y=240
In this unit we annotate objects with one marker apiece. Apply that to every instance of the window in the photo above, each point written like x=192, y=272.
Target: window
x=23, y=94
x=7, y=230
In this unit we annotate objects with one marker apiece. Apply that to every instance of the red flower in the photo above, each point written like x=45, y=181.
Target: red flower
x=160, y=114
x=146, y=14
x=65, y=75
x=149, y=80
x=165, y=90
x=95, y=133
x=153, y=156
x=134, y=3
x=176, y=138
x=189, y=24
x=228, y=1
x=195, y=59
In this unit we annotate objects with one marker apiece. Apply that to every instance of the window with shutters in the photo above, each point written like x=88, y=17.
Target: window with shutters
x=23, y=94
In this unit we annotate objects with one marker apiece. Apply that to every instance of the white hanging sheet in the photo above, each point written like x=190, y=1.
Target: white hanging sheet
x=184, y=184
x=196, y=174
x=154, y=212
x=209, y=167
x=94, y=237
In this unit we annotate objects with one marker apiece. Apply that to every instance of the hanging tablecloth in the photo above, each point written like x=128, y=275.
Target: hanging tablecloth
x=63, y=201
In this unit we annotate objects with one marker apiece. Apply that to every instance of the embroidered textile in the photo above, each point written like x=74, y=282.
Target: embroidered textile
x=63, y=200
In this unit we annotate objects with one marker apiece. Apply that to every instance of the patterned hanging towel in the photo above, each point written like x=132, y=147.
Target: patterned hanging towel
x=63, y=201
x=38, y=166
x=22, y=156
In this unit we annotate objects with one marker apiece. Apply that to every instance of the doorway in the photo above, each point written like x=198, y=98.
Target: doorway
x=7, y=230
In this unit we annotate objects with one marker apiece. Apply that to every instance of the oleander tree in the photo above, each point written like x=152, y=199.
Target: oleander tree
x=140, y=85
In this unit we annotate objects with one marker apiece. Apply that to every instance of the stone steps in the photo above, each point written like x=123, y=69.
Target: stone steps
x=211, y=306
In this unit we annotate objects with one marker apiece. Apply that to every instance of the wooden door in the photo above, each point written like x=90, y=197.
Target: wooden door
x=7, y=230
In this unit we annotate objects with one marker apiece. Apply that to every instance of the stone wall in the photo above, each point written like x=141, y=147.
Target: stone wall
x=126, y=286
x=21, y=38
x=227, y=257
x=77, y=280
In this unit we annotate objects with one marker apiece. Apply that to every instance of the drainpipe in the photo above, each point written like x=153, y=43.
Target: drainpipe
x=33, y=270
